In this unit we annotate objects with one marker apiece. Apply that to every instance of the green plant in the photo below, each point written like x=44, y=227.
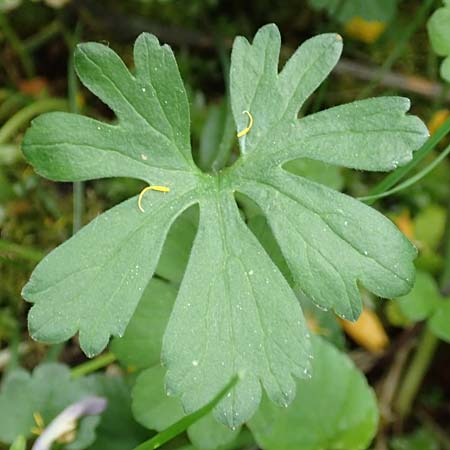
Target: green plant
x=30, y=402
x=439, y=33
x=425, y=302
x=344, y=10
x=235, y=312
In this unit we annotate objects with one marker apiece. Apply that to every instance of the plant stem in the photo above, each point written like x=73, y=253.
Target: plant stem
x=78, y=205
x=78, y=186
x=21, y=251
x=11, y=104
x=416, y=372
x=398, y=50
x=93, y=365
x=17, y=45
x=425, y=350
x=445, y=279
x=22, y=117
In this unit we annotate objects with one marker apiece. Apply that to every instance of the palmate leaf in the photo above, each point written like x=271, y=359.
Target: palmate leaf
x=235, y=311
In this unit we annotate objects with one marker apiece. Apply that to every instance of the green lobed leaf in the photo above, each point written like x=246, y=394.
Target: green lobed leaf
x=317, y=171
x=109, y=260
x=235, y=312
x=47, y=391
x=335, y=409
x=329, y=236
x=233, y=299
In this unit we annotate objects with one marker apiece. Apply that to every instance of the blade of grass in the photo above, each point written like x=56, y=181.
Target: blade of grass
x=12, y=103
x=393, y=178
x=410, y=181
x=184, y=423
x=17, y=45
x=21, y=251
x=22, y=117
x=445, y=277
x=42, y=36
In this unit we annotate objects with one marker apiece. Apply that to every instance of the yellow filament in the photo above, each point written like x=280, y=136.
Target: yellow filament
x=38, y=419
x=250, y=124
x=39, y=422
x=150, y=188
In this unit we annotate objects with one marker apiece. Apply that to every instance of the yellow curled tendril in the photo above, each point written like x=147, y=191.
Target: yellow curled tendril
x=250, y=124
x=150, y=188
